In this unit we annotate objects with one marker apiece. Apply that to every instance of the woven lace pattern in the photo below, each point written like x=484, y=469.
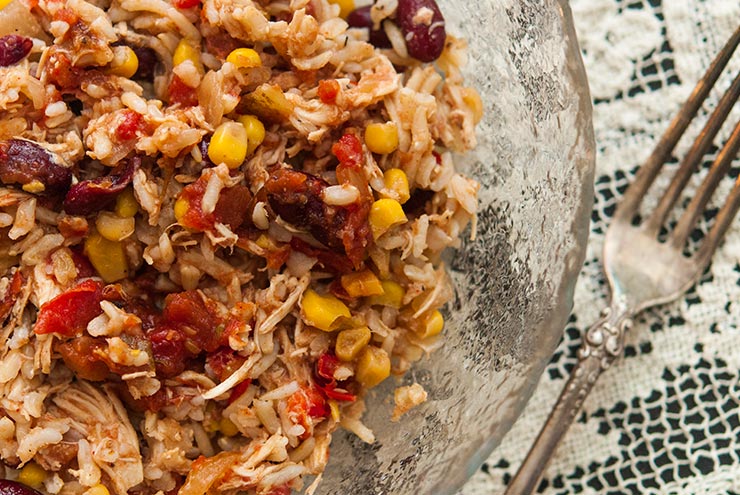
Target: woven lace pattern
x=666, y=418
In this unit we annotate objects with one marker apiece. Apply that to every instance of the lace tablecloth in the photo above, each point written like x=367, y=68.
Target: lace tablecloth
x=666, y=419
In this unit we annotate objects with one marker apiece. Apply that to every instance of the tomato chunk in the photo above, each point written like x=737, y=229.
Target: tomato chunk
x=328, y=91
x=326, y=366
x=348, y=151
x=307, y=405
x=231, y=208
x=69, y=313
x=14, y=289
x=130, y=123
x=181, y=93
x=185, y=4
x=194, y=317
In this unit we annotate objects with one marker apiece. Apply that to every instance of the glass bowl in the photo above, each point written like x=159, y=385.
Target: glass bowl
x=514, y=282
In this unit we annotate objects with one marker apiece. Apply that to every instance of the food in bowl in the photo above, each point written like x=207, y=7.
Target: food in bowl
x=222, y=225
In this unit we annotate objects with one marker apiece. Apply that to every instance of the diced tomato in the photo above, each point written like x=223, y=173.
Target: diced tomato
x=348, y=151
x=237, y=391
x=327, y=365
x=194, y=217
x=356, y=233
x=82, y=355
x=130, y=124
x=305, y=406
x=69, y=313
x=61, y=71
x=188, y=312
x=223, y=362
x=328, y=91
x=168, y=350
x=231, y=208
x=15, y=287
x=188, y=326
x=185, y=4
x=181, y=93
x=233, y=327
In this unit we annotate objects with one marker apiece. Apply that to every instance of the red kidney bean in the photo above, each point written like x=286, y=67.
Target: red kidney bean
x=89, y=196
x=8, y=487
x=360, y=18
x=23, y=162
x=147, y=63
x=423, y=26
x=13, y=49
x=298, y=198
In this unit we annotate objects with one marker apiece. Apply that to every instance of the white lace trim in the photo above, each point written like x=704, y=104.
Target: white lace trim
x=667, y=418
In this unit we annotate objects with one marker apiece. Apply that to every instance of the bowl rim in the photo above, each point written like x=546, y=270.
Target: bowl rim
x=585, y=164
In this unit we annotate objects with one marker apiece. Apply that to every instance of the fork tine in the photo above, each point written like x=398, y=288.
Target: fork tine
x=649, y=170
x=718, y=170
x=725, y=216
x=693, y=158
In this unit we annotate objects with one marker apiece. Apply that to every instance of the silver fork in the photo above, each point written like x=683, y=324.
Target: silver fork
x=643, y=271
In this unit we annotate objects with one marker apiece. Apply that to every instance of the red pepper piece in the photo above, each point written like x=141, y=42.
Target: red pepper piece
x=69, y=313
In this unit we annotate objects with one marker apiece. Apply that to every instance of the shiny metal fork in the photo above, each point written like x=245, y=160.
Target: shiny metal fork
x=643, y=271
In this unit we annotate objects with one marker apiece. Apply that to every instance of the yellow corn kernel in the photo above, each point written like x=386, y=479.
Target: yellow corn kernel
x=334, y=408
x=229, y=145
x=373, y=366
x=181, y=208
x=32, y=475
x=396, y=181
x=107, y=257
x=361, y=284
x=264, y=242
x=351, y=342
x=345, y=7
x=186, y=51
x=125, y=63
x=244, y=58
x=255, y=131
x=384, y=214
x=472, y=99
x=433, y=325
x=126, y=204
x=269, y=103
x=392, y=295
x=4, y=3
x=113, y=227
x=381, y=138
x=98, y=489
x=227, y=427
x=323, y=312
x=34, y=187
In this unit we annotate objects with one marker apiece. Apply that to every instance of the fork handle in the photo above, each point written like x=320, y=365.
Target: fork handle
x=602, y=345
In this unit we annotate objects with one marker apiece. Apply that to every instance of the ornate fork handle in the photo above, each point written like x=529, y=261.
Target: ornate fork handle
x=602, y=345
